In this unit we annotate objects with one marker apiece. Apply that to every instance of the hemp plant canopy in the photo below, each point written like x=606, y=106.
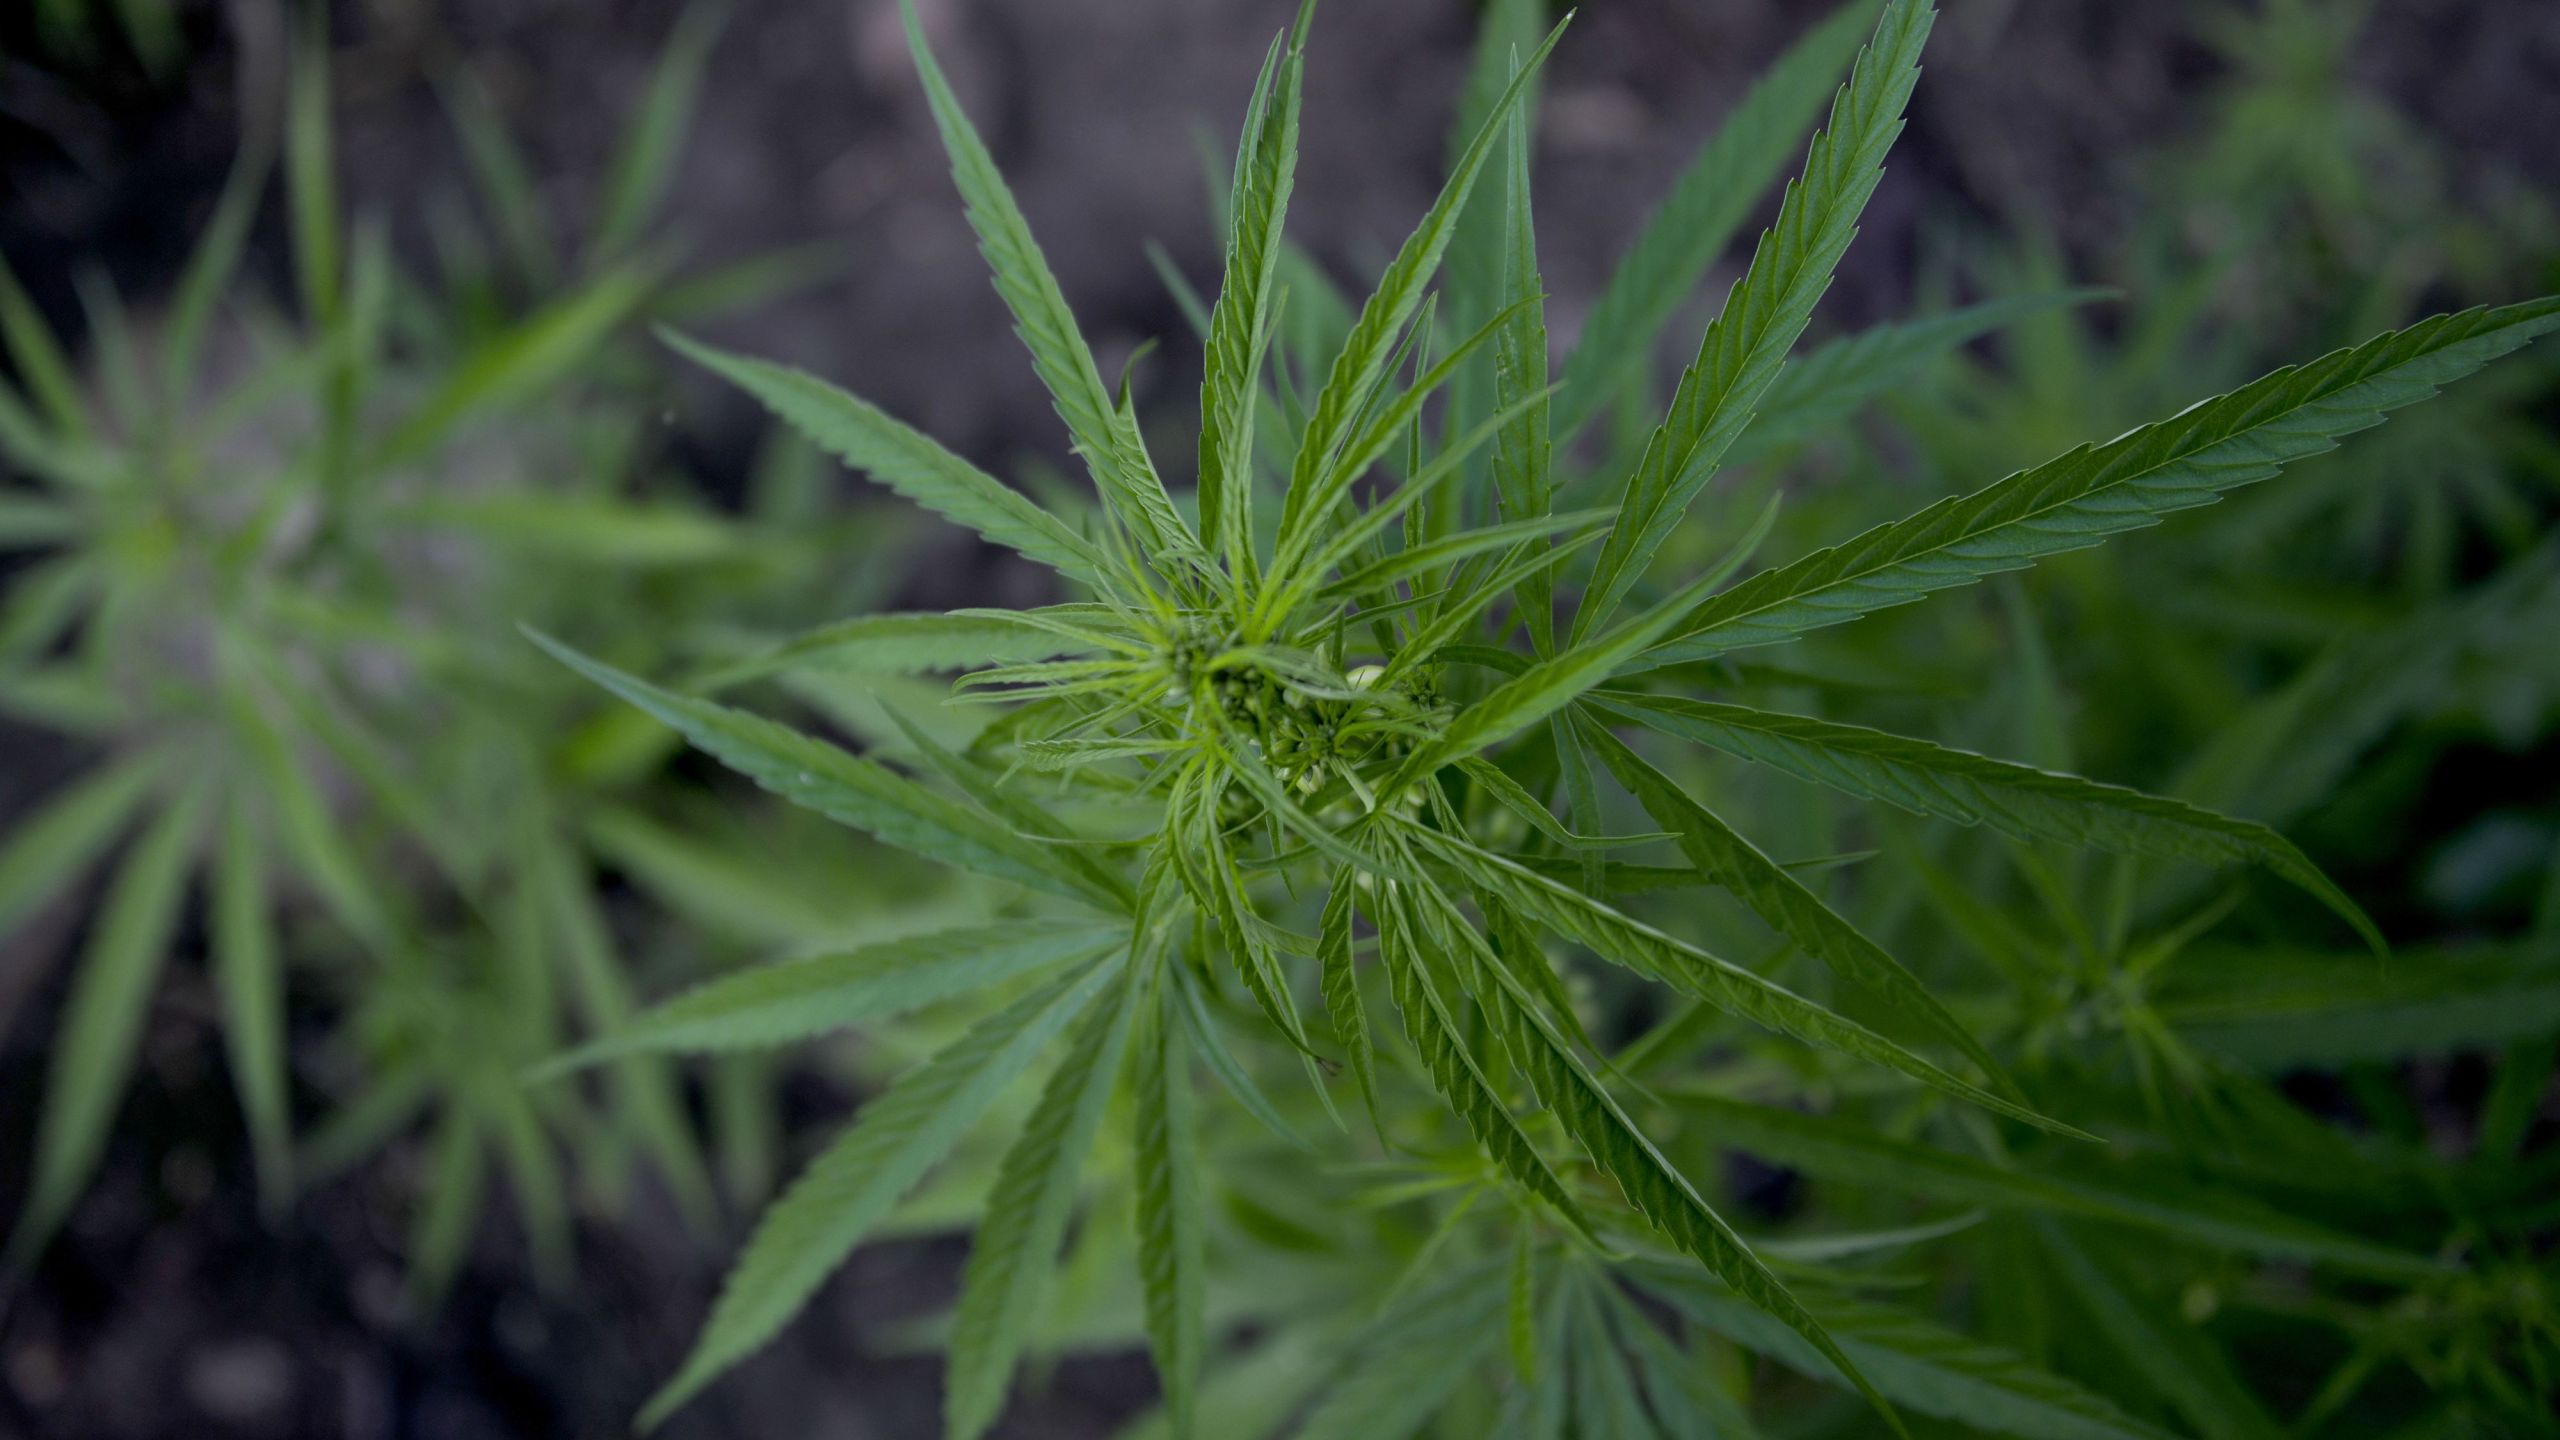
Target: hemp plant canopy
x=1308, y=735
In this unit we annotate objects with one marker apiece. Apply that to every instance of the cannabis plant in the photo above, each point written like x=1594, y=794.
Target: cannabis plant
x=1282, y=779
x=275, y=556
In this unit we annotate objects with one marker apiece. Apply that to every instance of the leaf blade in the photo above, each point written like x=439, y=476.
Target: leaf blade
x=2081, y=498
x=904, y=459
x=852, y=1184
x=102, y=1025
x=2020, y=801
x=1026, y=1217
x=846, y=787
x=1745, y=347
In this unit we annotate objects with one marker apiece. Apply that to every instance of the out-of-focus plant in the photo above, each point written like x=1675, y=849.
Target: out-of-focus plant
x=1307, y=737
x=80, y=29
x=273, y=562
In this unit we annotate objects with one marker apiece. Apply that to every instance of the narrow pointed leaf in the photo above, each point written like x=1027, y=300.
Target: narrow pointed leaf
x=53, y=845
x=1768, y=308
x=2128, y=483
x=249, y=973
x=1129, y=485
x=1841, y=1150
x=850, y=1187
x=1932, y=1370
x=1545, y=687
x=1172, y=1229
x=1455, y=1074
x=644, y=168
x=1240, y=324
x=1026, y=1218
x=848, y=788
x=1344, y=1006
x=811, y=995
x=1780, y=900
x=2019, y=801
x=1363, y=361
x=93, y=1054
x=2173, y=1356
x=1524, y=453
x=905, y=460
x=1833, y=382
x=1702, y=212
x=1651, y=1184
x=1623, y=940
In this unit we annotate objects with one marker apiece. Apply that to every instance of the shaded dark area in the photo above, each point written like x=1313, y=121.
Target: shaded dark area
x=169, y=1308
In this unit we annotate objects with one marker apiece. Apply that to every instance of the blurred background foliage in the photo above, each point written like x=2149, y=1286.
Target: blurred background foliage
x=327, y=357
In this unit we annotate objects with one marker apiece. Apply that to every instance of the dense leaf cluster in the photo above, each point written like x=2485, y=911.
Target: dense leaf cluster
x=1308, y=733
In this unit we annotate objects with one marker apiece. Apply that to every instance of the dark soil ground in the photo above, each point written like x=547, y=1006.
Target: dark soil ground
x=169, y=1309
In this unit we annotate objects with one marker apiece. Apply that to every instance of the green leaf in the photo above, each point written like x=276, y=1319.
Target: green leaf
x=1222, y=1062
x=1604, y=1394
x=1436, y=555
x=730, y=891
x=1018, y=814
x=308, y=831
x=1240, y=326
x=1836, y=380
x=1510, y=795
x=645, y=165
x=1304, y=548
x=1340, y=982
x=1683, y=1387
x=904, y=460
x=1932, y=1370
x=1026, y=1218
x=1781, y=900
x=1524, y=454
x=2019, y=801
x=1544, y=688
x=249, y=974
x=1404, y=1368
x=311, y=189
x=2294, y=748
x=584, y=529
x=2096, y=491
x=1840, y=1150
x=1768, y=308
x=50, y=847
x=813, y=994
x=645, y=1090
x=852, y=1185
x=499, y=173
x=1625, y=941
x=2281, y=1010
x=902, y=644
x=43, y=602
x=510, y=370
x=115, y=359
x=848, y=788
x=1474, y=287
x=1362, y=364
x=101, y=1031
x=1128, y=482
x=1700, y=215
x=448, y=1212
x=2174, y=1357
x=1657, y=1190
x=209, y=273
x=1172, y=1230
x=1520, y=1308
x=38, y=359
x=1454, y=1072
